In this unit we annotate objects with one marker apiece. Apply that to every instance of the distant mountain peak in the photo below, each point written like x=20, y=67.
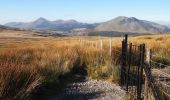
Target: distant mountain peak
x=41, y=19
x=133, y=19
x=118, y=24
x=124, y=18
x=1, y=27
x=66, y=21
x=131, y=24
x=71, y=20
x=58, y=25
x=121, y=17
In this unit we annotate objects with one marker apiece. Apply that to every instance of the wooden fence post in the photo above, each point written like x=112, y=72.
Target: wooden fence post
x=110, y=42
x=129, y=64
x=147, y=90
x=138, y=74
x=123, y=60
x=101, y=43
x=142, y=67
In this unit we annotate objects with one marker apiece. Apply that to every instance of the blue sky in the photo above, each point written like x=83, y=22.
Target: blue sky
x=83, y=10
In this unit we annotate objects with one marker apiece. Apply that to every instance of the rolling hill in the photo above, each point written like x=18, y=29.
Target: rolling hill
x=118, y=24
x=2, y=27
x=131, y=24
x=44, y=24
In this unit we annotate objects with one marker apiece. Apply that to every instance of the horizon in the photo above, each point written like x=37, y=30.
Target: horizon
x=87, y=11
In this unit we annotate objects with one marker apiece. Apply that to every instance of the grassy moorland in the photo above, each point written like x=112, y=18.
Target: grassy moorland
x=160, y=46
x=28, y=64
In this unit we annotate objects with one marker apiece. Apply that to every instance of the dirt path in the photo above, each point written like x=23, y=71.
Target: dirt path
x=91, y=90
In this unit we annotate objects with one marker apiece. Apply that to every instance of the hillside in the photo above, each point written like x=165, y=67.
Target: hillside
x=131, y=24
x=118, y=24
x=17, y=33
x=11, y=33
x=2, y=27
x=44, y=24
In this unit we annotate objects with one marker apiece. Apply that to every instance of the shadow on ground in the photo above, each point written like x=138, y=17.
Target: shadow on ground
x=78, y=74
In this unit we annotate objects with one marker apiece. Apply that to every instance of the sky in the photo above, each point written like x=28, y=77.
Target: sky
x=89, y=11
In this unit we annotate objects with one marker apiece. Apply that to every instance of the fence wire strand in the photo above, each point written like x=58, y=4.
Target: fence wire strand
x=161, y=64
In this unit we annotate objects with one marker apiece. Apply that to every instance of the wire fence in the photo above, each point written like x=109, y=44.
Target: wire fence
x=161, y=75
x=143, y=78
x=99, y=44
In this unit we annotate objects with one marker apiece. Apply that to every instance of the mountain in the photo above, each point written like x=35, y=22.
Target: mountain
x=119, y=24
x=44, y=24
x=2, y=27
x=131, y=24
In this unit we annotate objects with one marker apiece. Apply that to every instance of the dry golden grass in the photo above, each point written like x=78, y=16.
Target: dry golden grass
x=160, y=46
x=28, y=63
x=22, y=70
x=15, y=33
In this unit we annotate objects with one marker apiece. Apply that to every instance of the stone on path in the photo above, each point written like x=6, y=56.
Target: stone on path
x=91, y=90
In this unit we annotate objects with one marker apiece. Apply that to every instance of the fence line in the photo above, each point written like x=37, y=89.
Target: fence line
x=132, y=79
x=161, y=64
x=161, y=72
x=161, y=78
x=99, y=44
x=160, y=56
x=149, y=85
x=165, y=84
x=131, y=71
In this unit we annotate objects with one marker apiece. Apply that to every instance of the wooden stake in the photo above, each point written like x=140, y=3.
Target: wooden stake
x=110, y=47
x=101, y=44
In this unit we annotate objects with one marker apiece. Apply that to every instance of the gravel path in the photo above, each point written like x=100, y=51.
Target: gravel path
x=91, y=90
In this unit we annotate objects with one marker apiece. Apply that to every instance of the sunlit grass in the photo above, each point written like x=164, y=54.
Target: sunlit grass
x=27, y=64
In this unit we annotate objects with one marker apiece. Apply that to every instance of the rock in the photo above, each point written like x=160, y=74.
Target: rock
x=91, y=89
